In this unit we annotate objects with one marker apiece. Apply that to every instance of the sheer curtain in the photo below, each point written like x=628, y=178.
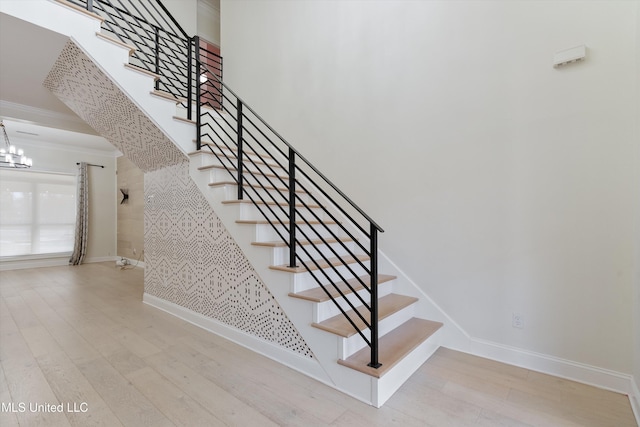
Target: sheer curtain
x=82, y=216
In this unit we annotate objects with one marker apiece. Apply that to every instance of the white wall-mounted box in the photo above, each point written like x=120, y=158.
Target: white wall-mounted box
x=568, y=56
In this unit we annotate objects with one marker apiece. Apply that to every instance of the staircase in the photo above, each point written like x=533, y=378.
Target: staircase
x=330, y=287
x=312, y=246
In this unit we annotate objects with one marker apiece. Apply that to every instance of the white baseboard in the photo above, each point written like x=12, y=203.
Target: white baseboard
x=34, y=262
x=99, y=259
x=306, y=365
x=562, y=368
x=57, y=261
x=634, y=398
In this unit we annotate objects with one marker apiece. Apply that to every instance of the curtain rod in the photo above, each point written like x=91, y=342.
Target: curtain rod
x=90, y=164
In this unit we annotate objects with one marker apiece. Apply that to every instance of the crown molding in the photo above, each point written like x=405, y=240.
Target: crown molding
x=41, y=116
x=209, y=5
x=26, y=143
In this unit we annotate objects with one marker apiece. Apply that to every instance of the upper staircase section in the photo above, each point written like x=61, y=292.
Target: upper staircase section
x=159, y=44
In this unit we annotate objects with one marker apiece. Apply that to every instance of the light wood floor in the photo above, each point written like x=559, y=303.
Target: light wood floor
x=82, y=334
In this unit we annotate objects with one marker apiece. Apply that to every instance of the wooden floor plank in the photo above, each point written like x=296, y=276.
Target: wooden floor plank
x=82, y=333
x=83, y=404
x=131, y=406
x=7, y=418
x=226, y=407
x=173, y=402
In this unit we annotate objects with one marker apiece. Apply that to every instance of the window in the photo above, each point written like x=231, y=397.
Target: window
x=37, y=213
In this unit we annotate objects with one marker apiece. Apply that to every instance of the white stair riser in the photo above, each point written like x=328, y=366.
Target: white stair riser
x=303, y=281
x=325, y=310
x=220, y=174
x=268, y=194
x=179, y=111
x=248, y=211
x=306, y=252
x=218, y=156
x=391, y=382
x=266, y=233
x=231, y=193
x=254, y=167
x=348, y=346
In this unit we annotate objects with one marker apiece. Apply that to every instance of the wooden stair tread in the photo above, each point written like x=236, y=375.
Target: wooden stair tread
x=270, y=203
x=116, y=41
x=80, y=9
x=224, y=147
x=183, y=119
x=387, y=305
x=233, y=169
x=281, y=244
x=264, y=221
x=265, y=187
x=168, y=96
x=142, y=71
x=322, y=263
x=319, y=295
x=393, y=346
x=233, y=159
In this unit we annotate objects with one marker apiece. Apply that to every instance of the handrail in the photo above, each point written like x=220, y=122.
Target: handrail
x=333, y=186
x=164, y=9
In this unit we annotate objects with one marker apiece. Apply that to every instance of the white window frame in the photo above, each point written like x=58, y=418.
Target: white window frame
x=36, y=179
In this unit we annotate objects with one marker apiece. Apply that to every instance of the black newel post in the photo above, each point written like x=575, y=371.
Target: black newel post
x=292, y=208
x=240, y=149
x=375, y=363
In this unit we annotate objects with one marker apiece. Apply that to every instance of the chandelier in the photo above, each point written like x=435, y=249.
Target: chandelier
x=12, y=157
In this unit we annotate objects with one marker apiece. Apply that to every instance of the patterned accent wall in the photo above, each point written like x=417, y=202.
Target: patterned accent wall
x=84, y=88
x=194, y=262
x=191, y=259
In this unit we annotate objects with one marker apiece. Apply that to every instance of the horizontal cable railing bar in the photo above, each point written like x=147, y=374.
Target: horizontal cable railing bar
x=252, y=187
x=344, y=263
x=344, y=247
x=344, y=313
x=315, y=170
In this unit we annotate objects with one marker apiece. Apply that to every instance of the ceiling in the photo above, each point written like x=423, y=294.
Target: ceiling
x=30, y=112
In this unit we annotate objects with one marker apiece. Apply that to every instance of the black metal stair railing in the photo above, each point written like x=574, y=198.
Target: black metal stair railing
x=309, y=213
x=161, y=44
x=326, y=233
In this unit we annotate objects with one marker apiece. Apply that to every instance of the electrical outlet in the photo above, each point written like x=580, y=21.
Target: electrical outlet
x=134, y=251
x=517, y=321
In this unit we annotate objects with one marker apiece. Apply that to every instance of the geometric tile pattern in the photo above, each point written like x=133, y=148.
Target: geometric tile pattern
x=85, y=89
x=190, y=258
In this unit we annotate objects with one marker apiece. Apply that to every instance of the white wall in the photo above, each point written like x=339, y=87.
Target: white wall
x=197, y=17
x=504, y=185
x=185, y=12
x=209, y=21
x=101, y=245
x=636, y=296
